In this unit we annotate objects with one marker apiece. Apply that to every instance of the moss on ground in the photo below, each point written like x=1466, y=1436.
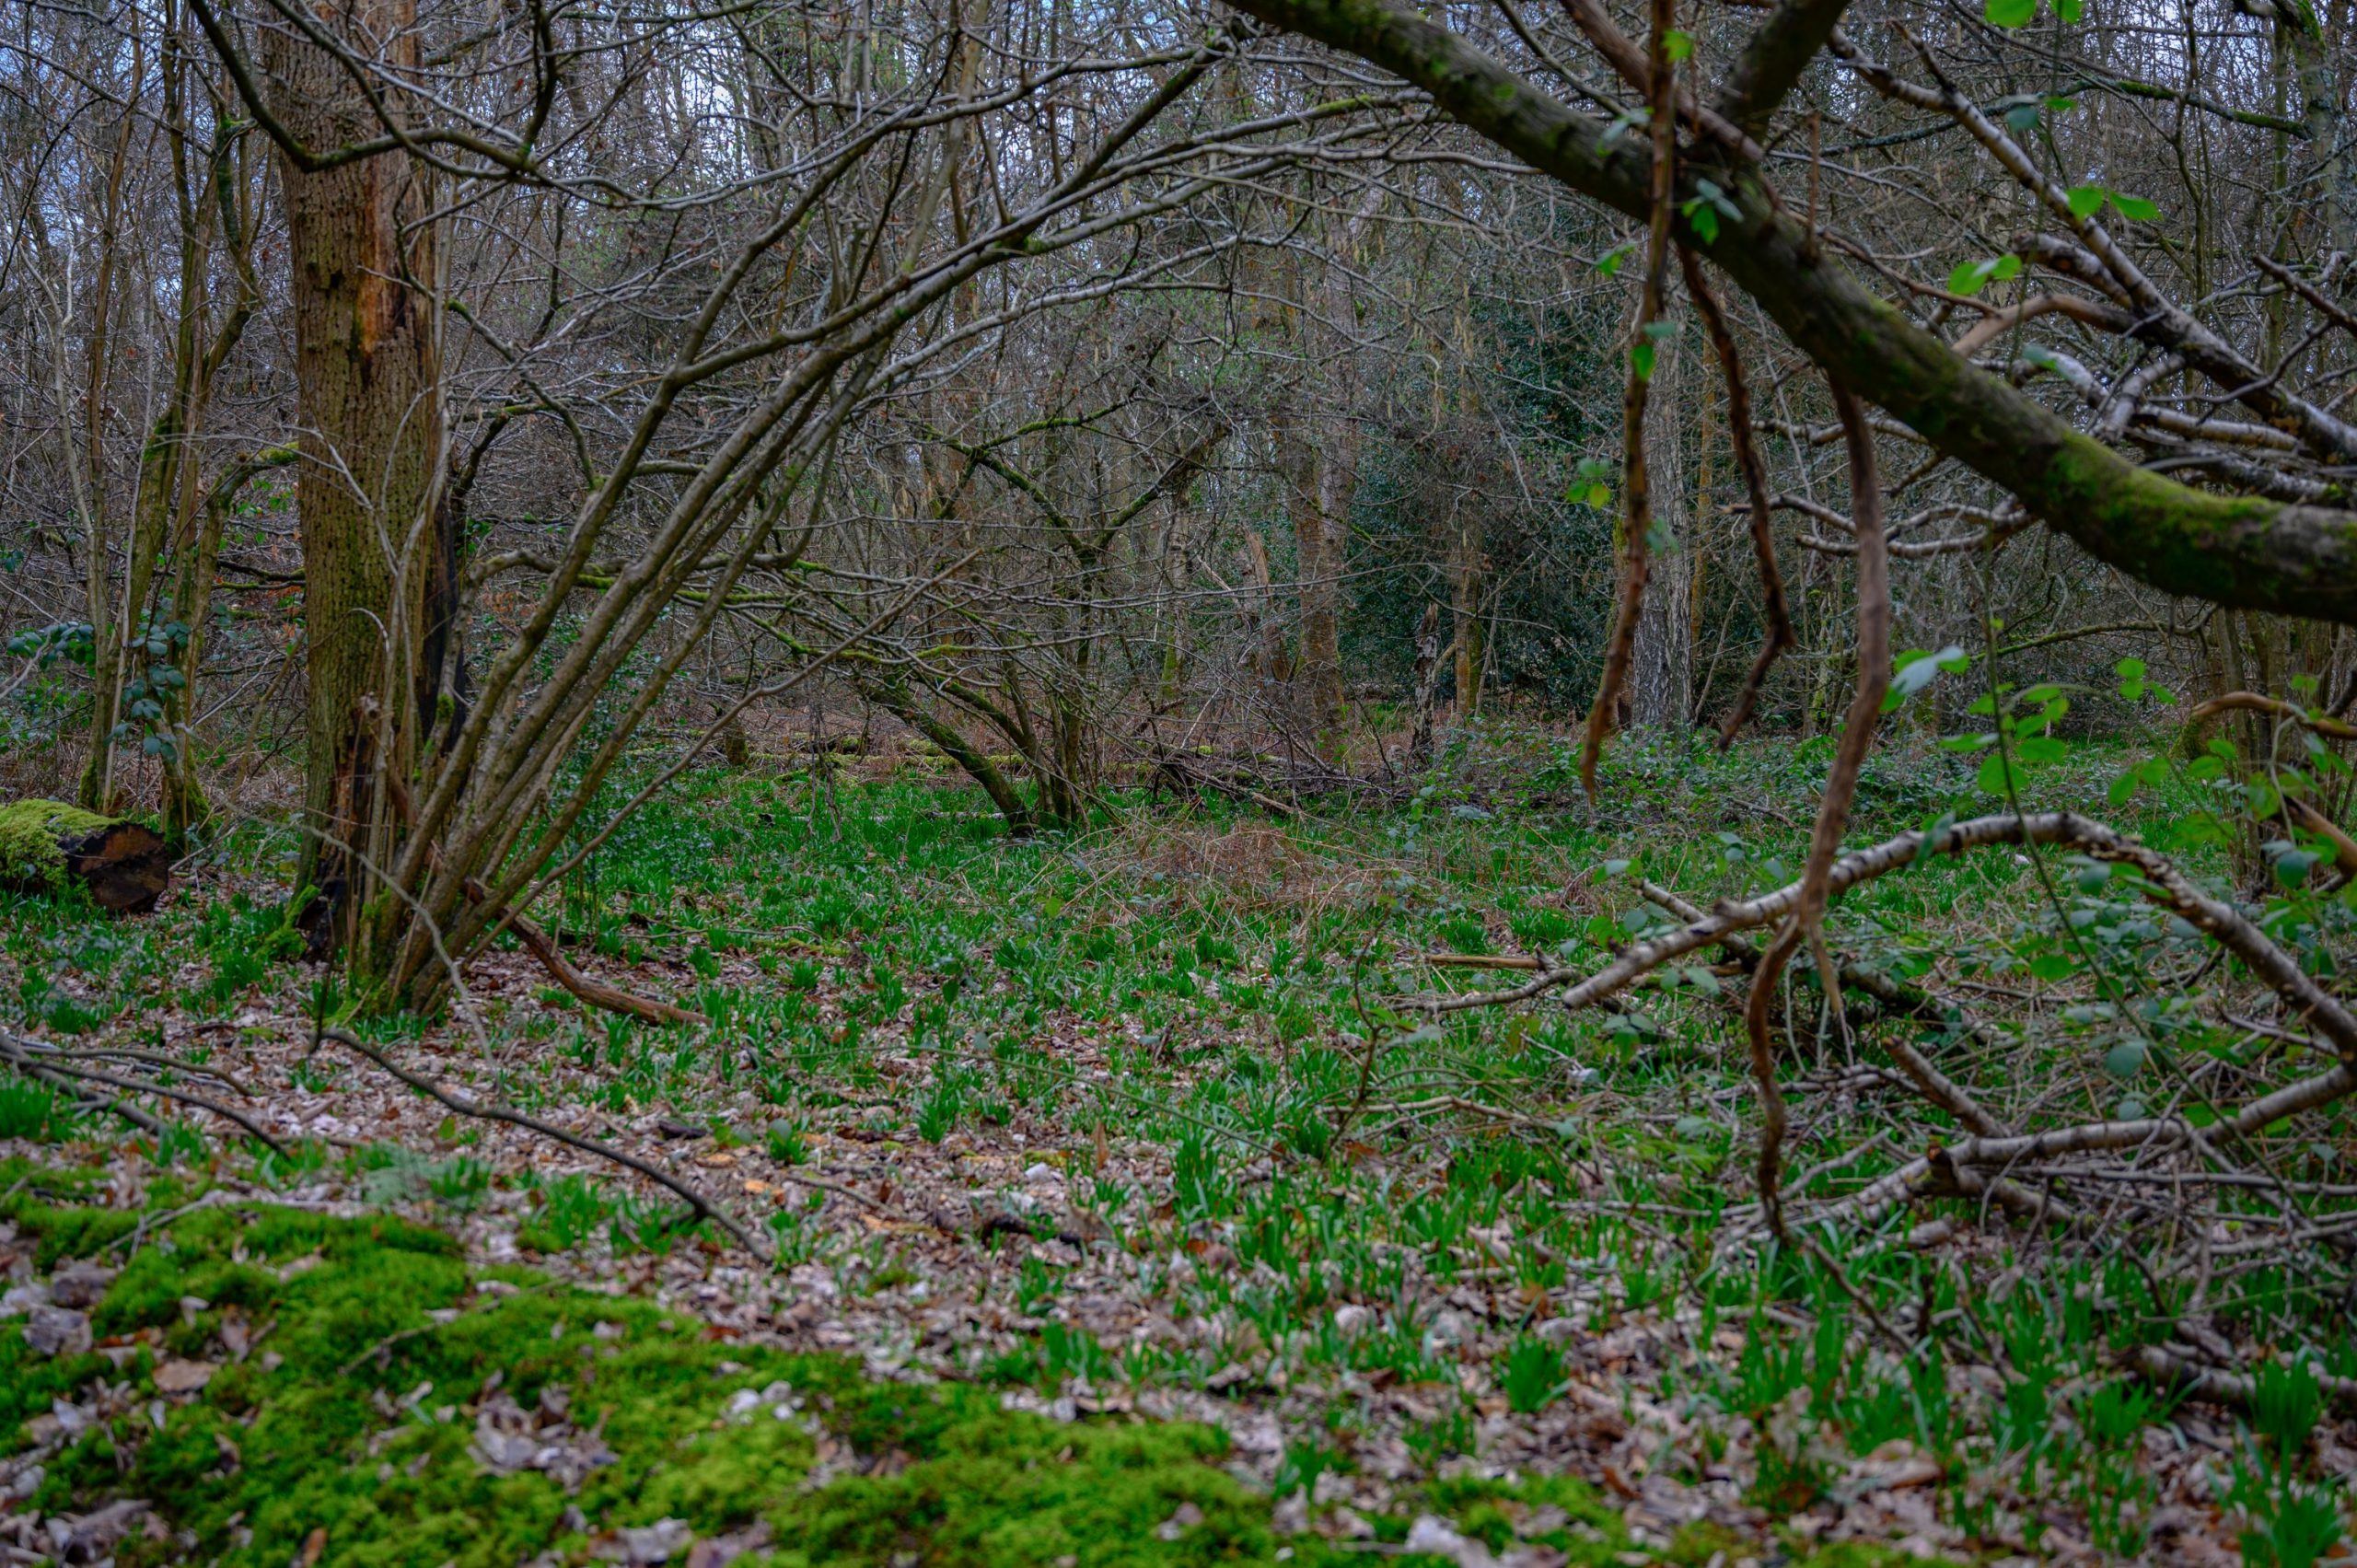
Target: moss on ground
x=374, y=1347
x=29, y=834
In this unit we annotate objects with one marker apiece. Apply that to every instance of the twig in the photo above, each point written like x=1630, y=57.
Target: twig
x=20, y=1054
x=1636, y=492
x=468, y=1106
x=1807, y=920
x=596, y=992
x=1773, y=607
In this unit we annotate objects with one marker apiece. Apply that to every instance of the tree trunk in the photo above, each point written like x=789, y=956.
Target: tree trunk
x=379, y=551
x=1661, y=670
x=1328, y=531
x=1425, y=689
x=1465, y=609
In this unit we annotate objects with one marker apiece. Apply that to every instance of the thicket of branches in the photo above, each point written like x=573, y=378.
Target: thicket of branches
x=443, y=403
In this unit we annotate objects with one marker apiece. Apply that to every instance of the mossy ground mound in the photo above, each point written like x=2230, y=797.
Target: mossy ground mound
x=394, y=1404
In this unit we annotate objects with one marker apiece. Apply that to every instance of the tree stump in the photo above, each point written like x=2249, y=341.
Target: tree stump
x=48, y=845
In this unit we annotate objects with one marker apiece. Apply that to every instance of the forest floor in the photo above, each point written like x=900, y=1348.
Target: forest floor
x=1121, y=1212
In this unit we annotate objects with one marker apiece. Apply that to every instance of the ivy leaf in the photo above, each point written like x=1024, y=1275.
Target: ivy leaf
x=2086, y=200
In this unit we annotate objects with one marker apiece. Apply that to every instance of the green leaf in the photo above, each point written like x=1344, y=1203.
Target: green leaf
x=1991, y=778
x=2122, y=1060
x=2291, y=867
x=2022, y=119
x=1678, y=45
x=1702, y=220
x=1917, y=669
x=2086, y=200
x=2053, y=967
x=1970, y=277
x=2123, y=788
x=2093, y=876
x=1609, y=263
x=2011, y=13
x=2070, y=11
x=2134, y=207
x=1641, y=359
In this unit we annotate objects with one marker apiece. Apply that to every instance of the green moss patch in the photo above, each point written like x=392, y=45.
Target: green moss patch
x=417, y=1408
x=28, y=833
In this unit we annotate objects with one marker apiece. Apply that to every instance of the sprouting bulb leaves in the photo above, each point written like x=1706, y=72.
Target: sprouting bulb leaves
x=1970, y=277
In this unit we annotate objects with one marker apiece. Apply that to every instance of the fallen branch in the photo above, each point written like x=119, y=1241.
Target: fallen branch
x=2173, y=1368
x=38, y=1059
x=466, y=1105
x=596, y=992
x=1933, y=1084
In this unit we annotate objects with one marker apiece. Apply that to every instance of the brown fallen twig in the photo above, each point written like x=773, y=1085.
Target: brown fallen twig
x=466, y=1105
x=596, y=992
x=32, y=1059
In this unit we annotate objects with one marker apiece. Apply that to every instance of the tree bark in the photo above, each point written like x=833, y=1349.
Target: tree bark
x=1661, y=674
x=379, y=551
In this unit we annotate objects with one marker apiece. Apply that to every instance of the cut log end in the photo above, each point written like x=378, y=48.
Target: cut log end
x=47, y=844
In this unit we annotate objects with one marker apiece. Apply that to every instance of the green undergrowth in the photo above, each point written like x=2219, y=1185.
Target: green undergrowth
x=373, y=1347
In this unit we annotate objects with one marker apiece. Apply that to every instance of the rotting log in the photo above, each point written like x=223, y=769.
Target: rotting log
x=49, y=844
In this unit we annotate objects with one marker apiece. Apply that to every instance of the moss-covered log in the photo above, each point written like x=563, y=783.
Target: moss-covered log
x=2245, y=551
x=46, y=843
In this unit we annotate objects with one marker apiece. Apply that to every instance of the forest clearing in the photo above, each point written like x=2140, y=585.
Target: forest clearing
x=955, y=782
